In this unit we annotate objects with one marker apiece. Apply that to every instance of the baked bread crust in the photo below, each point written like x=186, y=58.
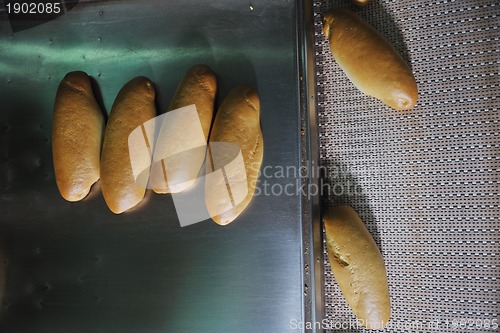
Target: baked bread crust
x=237, y=121
x=369, y=60
x=77, y=131
x=134, y=105
x=358, y=266
x=198, y=87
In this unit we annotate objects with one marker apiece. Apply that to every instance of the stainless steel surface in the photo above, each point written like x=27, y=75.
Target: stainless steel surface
x=312, y=235
x=76, y=267
x=426, y=182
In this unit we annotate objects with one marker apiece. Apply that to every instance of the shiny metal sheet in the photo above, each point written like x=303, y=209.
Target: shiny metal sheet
x=76, y=267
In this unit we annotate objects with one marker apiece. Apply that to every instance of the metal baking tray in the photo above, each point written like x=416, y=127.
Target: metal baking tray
x=424, y=182
x=77, y=267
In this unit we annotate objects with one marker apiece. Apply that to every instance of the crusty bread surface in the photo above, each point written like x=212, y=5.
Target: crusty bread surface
x=198, y=87
x=237, y=122
x=358, y=266
x=77, y=130
x=134, y=105
x=369, y=60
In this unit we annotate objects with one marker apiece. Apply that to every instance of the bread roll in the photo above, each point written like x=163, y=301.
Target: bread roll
x=133, y=106
x=368, y=59
x=358, y=266
x=237, y=122
x=77, y=129
x=198, y=87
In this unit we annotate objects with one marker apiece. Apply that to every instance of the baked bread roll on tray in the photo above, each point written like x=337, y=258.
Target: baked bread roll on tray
x=134, y=105
x=178, y=173
x=77, y=130
x=369, y=60
x=234, y=157
x=358, y=266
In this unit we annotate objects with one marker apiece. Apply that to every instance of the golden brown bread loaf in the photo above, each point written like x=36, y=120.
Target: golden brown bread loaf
x=358, y=266
x=133, y=106
x=77, y=129
x=198, y=87
x=238, y=122
x=369, y=60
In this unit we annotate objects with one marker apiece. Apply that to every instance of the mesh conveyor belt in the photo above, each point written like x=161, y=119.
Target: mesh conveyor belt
x=426, y=182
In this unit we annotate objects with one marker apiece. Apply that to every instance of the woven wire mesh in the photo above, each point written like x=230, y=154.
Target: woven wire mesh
x=426, y=181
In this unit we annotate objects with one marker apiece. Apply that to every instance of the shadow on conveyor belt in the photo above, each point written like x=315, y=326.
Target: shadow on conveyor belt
x=341, y=187
x=380, y=18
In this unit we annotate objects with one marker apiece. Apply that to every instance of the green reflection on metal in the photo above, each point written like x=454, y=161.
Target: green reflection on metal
x=27, y=58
